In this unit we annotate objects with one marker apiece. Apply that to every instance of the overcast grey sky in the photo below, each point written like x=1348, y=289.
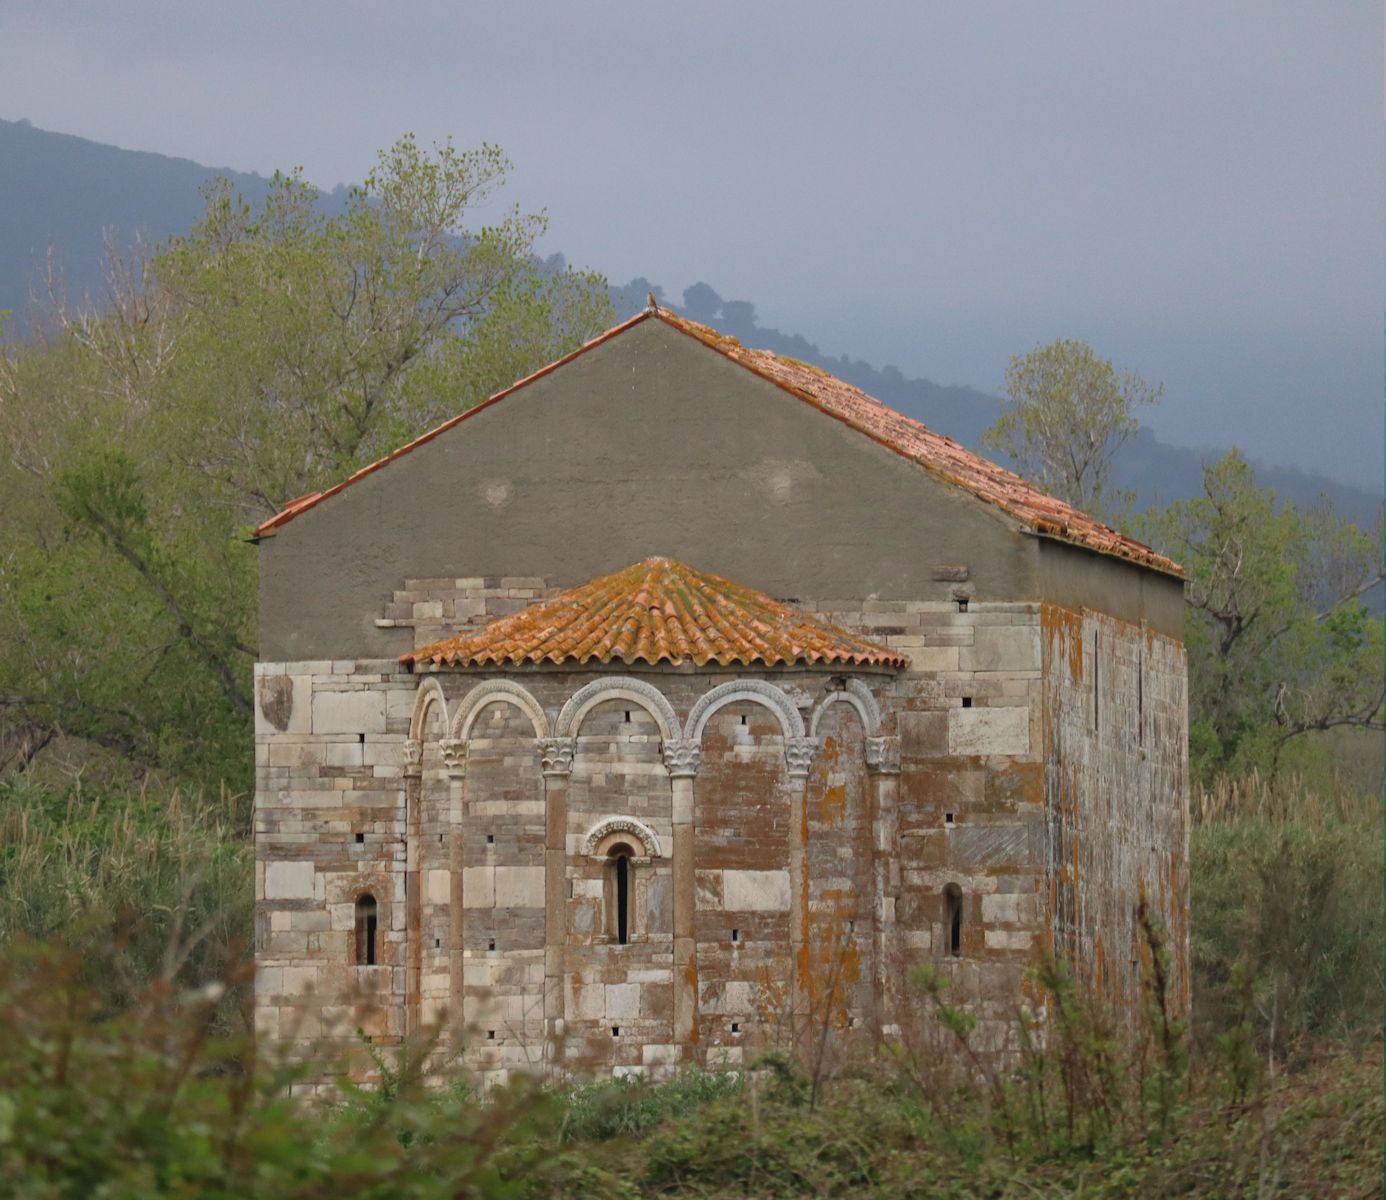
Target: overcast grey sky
x=1195, y=188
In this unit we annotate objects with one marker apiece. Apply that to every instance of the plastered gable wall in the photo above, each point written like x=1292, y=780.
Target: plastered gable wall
x=648, y=444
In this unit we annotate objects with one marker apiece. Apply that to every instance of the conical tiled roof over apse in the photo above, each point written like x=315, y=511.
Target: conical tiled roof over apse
x=657, y=611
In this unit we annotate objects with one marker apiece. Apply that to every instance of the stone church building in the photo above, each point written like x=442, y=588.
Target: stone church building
x=682, y=698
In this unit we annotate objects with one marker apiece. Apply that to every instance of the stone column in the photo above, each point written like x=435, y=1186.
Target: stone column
x=682, y=757
x=798, y=755
x=455, y=759
x=413, y=944
x=556, y=760
x=883, y=764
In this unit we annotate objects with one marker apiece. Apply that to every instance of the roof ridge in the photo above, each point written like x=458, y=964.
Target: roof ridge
x=652, y=612
x=940, y=455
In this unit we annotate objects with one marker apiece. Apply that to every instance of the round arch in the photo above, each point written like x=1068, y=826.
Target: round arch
x=756, y=690
x=498, y=691
x=619, y=687
x=608, y=826
x=428, y=696
x=859, y=697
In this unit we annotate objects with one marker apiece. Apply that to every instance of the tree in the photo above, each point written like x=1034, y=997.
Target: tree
x=1070, y=414
x=1281, y=640
x=267, y=354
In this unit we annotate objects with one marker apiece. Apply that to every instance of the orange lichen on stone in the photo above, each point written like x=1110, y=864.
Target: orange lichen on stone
x=657, y=611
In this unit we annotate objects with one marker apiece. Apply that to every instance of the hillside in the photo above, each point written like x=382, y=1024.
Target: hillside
x=63, y=192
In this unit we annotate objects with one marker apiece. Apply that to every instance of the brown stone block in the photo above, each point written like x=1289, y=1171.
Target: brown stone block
x=923, y=734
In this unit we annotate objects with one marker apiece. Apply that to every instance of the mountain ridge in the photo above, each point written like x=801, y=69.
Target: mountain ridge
x=64, y=191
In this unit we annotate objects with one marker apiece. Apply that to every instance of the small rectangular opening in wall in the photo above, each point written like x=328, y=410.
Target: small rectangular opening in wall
x=627, y=716
x=440, y=839
x=490, y=839
x=360, y=838
x=949, y=819
x=615, y=1031
x=736, y=1026
x=736, y=935
x=437, y=943
x=490, y=943
x=743, y=718
x=962, y=603
x=967, y=701
x=490, y=1035
x=851, y=926
x=361, y=737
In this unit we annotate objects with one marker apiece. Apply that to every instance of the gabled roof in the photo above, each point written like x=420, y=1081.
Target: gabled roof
x=657, y=611
x=941, y=456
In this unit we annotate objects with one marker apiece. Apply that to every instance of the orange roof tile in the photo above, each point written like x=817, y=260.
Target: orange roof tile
x=940, y=455
x=657, y=611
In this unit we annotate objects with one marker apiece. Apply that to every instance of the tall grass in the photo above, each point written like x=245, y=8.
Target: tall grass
x=140, y=884
x=1287, y=911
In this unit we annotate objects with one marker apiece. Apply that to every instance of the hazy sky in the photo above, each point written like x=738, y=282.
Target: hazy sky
x=1195, y=188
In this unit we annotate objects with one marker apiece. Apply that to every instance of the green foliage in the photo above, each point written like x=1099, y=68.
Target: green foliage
x=1287, y=915
x=1280, y=640
x=267, y=354
x=138, y=886
x=615, y=1108
x=1070, y=413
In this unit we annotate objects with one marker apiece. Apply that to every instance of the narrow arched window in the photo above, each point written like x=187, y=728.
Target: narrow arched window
x=953, y=906
x=620, y=893
x=367, y=920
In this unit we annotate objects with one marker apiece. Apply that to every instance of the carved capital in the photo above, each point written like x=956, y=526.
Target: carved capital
x=556, y=755
x=455, y=756
x=883, y=754
x=682, y=757
x=798, y=754
x=413, y=757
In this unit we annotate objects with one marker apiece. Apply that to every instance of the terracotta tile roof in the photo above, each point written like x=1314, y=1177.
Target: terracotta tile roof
x=657, y=611
x=940, y=455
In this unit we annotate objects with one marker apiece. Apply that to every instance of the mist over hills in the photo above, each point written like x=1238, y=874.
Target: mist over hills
x=63, y=192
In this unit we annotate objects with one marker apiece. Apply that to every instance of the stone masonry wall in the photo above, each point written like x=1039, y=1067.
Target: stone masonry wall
x=833, y=881
x=1116, y=760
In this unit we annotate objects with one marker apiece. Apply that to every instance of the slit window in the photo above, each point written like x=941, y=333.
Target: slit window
x=953, y=915
x=622, y=869
x=967, y=701
x=367, y=926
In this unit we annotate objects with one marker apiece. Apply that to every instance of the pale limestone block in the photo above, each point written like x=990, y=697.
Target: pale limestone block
x=756, y=891
x=439, y=887
x=622, y=1000
x=1006, y=939
x=1003, y=908
x=479, y=886
x=1002, y=648
x=588, y=1003
x=282, y=704
x=588, y=889
x=929, y=658
x=657, y=1054
x=978, y=731
x=519, y=887
x=291, y=880
x=269, y=981
x=349, y=712
x=267, y=1022
x=738, y=997
x=310, y=922
x=299, y=981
